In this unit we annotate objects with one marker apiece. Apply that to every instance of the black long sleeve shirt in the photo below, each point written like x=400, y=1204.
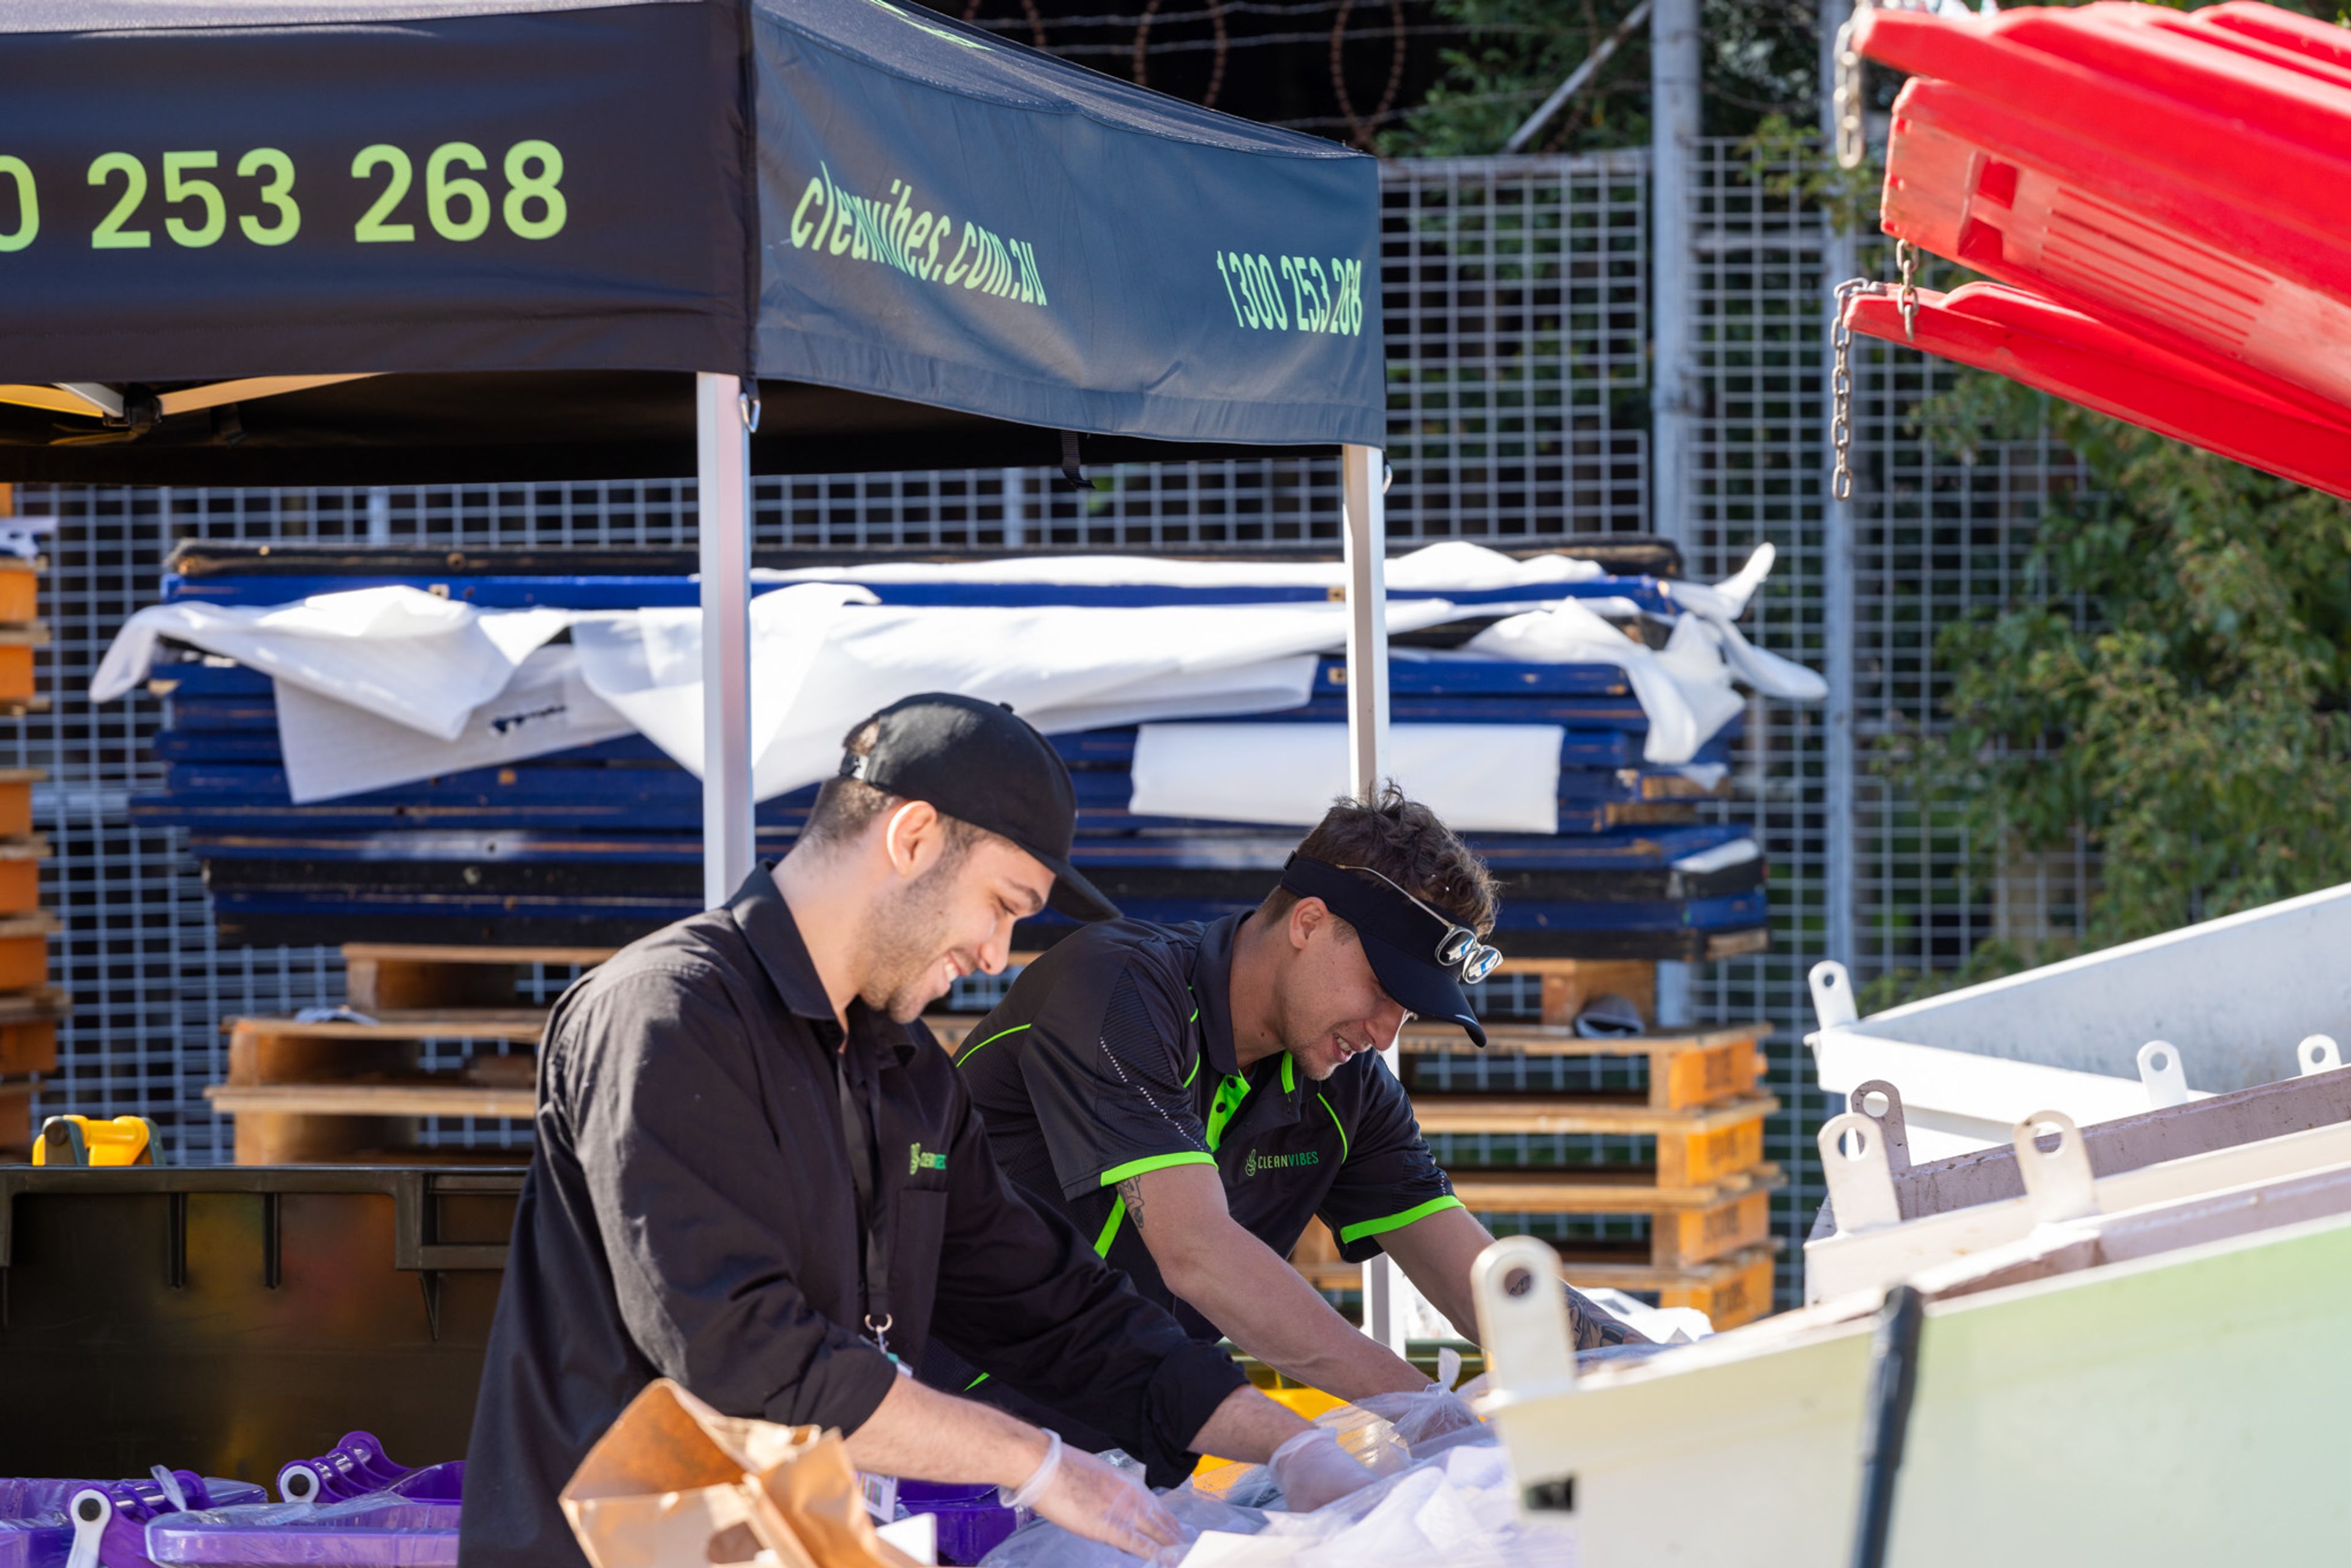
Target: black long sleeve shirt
x=690, y=1213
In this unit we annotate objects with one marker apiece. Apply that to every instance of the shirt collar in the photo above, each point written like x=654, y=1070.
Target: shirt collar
x=766, y=921
x=1212, y=992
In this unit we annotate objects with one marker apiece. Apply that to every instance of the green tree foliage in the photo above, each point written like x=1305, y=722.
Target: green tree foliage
x=2170, y=680
x=1761, y=60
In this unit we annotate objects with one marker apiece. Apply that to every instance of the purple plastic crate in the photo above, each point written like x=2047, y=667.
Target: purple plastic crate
x=36, y=1530
x=972, y=1519
x=381, y=1531
x=355, y=1466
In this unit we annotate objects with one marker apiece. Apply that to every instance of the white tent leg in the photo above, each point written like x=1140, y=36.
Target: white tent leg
x=1363, y=472
x=722, y=473
x=1365, y=550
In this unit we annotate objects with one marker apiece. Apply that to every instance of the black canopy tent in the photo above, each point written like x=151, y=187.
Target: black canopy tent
x=256, y=242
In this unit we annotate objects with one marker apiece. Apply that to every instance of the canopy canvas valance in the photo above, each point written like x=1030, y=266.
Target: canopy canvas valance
x=516, y=222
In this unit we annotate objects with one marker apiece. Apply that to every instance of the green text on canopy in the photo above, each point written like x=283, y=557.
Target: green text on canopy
x=895, y=233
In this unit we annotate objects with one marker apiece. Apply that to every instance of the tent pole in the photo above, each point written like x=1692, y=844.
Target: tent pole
x=723, y=477
x=1362, y=472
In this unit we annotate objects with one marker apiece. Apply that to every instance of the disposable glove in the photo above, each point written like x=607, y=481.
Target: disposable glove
x=1099, y=1501
x=1423, y=1418
x=1313, y=1471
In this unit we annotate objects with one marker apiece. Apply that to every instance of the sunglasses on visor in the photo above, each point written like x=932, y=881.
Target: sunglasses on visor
x=1459, y=947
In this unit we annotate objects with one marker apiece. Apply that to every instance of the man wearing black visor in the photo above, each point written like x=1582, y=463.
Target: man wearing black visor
x=1192, y=1095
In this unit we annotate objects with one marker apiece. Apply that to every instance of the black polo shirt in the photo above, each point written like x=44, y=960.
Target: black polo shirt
x=690, y=1213
x=1112, y=1055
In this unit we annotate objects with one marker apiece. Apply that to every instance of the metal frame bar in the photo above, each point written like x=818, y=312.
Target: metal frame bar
x=722, y=473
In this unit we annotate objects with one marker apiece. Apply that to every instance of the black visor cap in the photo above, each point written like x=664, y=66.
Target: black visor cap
x=1400, y=939
x=981, y=763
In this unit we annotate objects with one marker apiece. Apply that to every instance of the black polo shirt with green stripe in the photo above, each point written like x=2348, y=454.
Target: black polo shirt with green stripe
x=1113, y=1056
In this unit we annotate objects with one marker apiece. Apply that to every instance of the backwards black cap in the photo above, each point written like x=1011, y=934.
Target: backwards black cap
x=981, y=763
x=1419, y=957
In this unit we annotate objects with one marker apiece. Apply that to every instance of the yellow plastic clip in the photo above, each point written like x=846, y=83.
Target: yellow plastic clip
x=88, y=1141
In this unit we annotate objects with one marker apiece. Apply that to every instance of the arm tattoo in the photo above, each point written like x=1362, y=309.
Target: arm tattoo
x=1595, y=1328
x=1130, y=1192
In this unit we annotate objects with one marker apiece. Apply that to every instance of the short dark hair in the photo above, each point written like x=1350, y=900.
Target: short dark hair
x=1404, y=842
x=846, y=807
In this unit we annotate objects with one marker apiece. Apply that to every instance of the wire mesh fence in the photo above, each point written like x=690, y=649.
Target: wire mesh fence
x=1515, y=297
x=1934, y=539
x=1517, y=311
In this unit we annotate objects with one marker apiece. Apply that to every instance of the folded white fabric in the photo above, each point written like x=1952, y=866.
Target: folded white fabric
x=1685, y=687
x=333, y=748
x=1453, y=566
x=418, y=660
x=1481, y=778
x=823, y=656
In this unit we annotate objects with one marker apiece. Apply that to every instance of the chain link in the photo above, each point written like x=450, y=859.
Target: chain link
x=1841, y=385
x=1905, y=258
x=1851, y=147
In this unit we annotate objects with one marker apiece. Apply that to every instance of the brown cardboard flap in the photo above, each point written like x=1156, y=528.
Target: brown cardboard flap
x=675, y=1484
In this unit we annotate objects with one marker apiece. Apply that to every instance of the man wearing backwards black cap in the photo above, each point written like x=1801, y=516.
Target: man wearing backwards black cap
x=757, y=1174
x=1190, y=1096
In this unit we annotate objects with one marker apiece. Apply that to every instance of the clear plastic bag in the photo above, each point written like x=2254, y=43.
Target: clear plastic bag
x=379, y=1530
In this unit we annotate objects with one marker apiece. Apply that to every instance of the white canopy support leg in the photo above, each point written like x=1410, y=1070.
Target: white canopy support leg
x=723, y=474
x=1363, y=472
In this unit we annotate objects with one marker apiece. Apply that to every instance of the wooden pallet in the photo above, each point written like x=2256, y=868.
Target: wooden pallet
x=1686, y=1069
x=398, y=977
x=25, y=951
x=1687, y=1225
x=390, y=1097
x=28, y=1029
x=342, y=1088
x=1694, y=1148
x=17, y=795
x=16, y=1120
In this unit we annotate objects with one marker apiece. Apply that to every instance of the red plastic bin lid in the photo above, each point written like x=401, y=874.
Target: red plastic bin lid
x=2091, y=362
x=2186, y=175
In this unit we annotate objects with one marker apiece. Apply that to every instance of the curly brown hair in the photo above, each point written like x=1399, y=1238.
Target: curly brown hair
x=1404, y=842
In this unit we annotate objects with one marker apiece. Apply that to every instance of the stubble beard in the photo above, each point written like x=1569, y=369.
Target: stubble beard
x=908, y=941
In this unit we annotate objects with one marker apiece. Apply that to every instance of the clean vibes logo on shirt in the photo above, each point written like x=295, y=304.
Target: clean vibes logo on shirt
x=1258, y=1162
x=918, y=1161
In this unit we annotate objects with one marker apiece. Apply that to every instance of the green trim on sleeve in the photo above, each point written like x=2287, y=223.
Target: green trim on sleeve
x=1334, y=1121
x=1194, y=1074
x=1110, y=1228
x=974, y=1050
x=1398, y=1221
x=975, y=1383
x=1118, y=1173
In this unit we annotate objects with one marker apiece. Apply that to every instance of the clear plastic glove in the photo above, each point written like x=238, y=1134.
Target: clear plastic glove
x=1087, y=1497
x=1313, y=1470
x=1423, y=1418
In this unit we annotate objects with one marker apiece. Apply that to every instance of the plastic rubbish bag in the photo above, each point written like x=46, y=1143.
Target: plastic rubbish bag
x=1039, y=1544
x=1458, y=1508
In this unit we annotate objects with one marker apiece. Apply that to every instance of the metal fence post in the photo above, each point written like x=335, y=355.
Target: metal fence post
x=1674, y=130
x=1840, y=259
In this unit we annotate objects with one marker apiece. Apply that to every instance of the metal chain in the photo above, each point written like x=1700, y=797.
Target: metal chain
x=1841, y=385
x=1905, y=258
x=1850, y=146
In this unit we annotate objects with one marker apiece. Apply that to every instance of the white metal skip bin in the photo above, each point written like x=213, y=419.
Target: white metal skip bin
x=2233, y=996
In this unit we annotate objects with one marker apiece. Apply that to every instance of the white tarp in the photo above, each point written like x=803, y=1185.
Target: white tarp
x=416, y=659
x=1453, y=566
x=385, y=685
x=1684, y=688
x=1061, y=668
x=1481, y=778
x=333, y=748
